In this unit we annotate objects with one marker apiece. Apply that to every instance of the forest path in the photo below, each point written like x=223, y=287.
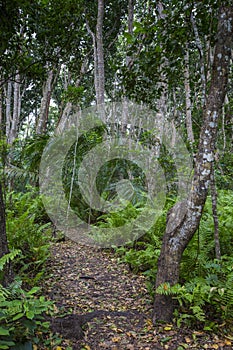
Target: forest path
x=85, y=279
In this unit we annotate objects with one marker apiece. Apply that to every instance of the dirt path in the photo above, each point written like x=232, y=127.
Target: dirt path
x=85, y=279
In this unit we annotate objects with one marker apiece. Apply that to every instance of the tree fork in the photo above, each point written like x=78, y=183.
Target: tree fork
x=184, y=218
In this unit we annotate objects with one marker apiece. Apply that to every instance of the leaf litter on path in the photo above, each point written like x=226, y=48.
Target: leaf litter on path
x=111, y=305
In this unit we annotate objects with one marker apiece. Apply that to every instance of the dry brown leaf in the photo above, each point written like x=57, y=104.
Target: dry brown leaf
x=116, y=339
x=188, y=340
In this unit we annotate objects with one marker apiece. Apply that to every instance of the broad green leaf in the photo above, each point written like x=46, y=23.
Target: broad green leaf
x=16, y=317
x=4, y=331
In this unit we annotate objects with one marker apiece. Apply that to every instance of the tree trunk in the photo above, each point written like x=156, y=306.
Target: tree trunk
x=3, y=239
x=214, y=199
x=7, y=273
x=100, y=51
x=201, y=53
x=97, y=39
x=45, y=103
x=188, y=103
x=1, y=112
x=69, y=107
x=8, y=107
x=16, y=110
x=184, y=218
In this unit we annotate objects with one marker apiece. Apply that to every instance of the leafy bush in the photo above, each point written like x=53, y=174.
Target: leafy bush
x=205, y=299
x=142, y=255
x=201, y=249
x=21, y=312
x=27, y=231
x=206, y=291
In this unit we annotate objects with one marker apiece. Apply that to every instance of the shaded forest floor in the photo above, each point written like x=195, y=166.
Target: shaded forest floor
x=114, y=305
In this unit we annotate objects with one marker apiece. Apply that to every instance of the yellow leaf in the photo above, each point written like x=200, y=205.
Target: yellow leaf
x=87, y=347
x=215, y=346
x=167, y=328
x=116, y=339
x=119, y=330
x=188, y=340
x=149, y=322
x=198, y=333
x=35, y=347
x=227, y=342
x=58, y=348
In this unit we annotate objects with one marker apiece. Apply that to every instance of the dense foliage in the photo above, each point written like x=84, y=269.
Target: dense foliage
x=48, y=71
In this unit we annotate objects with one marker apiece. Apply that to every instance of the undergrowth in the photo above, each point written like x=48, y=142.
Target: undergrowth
x=204, y=293
x=28, y=231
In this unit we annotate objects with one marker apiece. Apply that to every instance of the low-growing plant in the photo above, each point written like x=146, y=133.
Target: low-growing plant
x=206, y=299
x=27, y=231
x=21, y=312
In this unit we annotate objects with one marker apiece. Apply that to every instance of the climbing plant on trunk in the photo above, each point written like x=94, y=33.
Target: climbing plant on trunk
x=184, y=218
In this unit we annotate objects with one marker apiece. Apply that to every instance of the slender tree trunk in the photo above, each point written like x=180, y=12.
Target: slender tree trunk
x=188, y=103
x=214, y=199
x=8, y=107
x=161, y=103
x=16, y=110
x=100, y=52
x=99, y=72
x=1, y=112
x=45, y=103
x=8, y=272
x=202, y=63
x=3, y=239
x=69, y=107
x=130, y=26
x=184, y=218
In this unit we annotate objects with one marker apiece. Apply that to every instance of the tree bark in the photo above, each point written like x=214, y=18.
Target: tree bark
x=1, y=112
x=184, y=218
x=45, y=103
x=69, y=106
x=201, y=52
x=100, y=52
x=3, y=239
x=16, y=111
x=8, y=107
x=188, y=103
x=7, y=272
x=97, y=39
x=214, y=199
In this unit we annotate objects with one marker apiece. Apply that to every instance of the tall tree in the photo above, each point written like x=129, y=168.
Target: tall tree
x=97, y=38
x=184, y=218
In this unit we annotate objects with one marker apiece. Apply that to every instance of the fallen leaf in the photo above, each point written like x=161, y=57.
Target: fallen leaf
x=227, y=342
x=116, y=339
x=188, y=340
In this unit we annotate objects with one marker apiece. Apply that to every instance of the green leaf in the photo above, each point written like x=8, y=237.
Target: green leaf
x=16, y=317
x=6, y=343
x=4, y=331
x=30, y=314
x=33, y=290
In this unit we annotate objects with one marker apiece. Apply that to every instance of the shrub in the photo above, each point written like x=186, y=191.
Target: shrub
x=21, y=312
x=27, y=231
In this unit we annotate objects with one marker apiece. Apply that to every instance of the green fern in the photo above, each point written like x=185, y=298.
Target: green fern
x=8, y=257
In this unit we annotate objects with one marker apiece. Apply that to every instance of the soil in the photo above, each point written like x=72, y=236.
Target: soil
x=101, y=304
